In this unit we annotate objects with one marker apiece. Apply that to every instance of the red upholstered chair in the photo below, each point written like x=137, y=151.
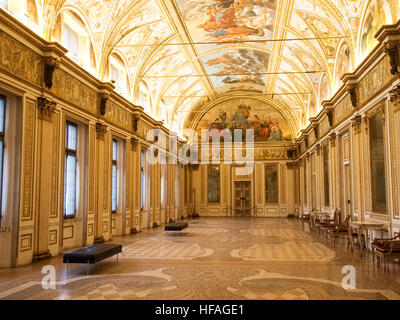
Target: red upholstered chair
x=386, y=248
x=343, y=230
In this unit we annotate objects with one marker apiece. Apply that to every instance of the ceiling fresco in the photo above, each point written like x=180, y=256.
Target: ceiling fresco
x=187, y=54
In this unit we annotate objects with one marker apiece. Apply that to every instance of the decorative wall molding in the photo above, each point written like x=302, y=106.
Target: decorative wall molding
x=136, y=117
x=50, y=65
x=356, y=123
x=104, y=97
x=46, y=108
x=392, y=50
x=332, y=139
x=101, y=130
x=351, y=89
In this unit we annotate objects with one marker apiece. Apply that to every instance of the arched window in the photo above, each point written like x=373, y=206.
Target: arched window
x=25, y=10
x=118, y=74
x=144, y=97
x=75, y=37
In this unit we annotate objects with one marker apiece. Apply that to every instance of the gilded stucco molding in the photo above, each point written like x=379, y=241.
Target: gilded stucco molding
x=356, y=124
x=101, y=130
x=394, y=97
x=46, y=108
x=136, y=117
x=318, y=149
x=392, y=50
x=332, y=139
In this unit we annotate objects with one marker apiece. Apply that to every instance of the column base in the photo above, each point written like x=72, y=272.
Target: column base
x=99, y=240
x=41, y=256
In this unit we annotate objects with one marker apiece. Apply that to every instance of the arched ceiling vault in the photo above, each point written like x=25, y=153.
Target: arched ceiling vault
x=193, y=52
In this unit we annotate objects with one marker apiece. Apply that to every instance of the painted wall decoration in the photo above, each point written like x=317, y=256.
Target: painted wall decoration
x=267, y=122
x=343, y=64
x=242, y=66
x=214, y=20
x=377, y=15
x=212, y=23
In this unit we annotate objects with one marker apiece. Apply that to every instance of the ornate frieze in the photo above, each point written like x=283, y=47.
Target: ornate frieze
x=74, y=91
x=46, y=108
x=324, y=127
x=118, y=116
x=19, y=61
x=343, y=110
x=374, y=80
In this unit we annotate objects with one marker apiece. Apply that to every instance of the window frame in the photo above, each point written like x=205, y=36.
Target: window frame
x=219, y=184
x=143, y=183
x=2, y=134
x=276, y=167
x=114, y=162
x=372, y=165
x=74, y=153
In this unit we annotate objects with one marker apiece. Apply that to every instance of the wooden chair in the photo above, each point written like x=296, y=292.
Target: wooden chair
x=339, y=230
x=386, y=248
x=327, y=224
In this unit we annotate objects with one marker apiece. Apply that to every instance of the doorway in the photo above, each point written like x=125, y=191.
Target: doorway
x=242, y=198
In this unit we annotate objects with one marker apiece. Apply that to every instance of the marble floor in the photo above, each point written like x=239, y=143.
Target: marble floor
x=216, y=259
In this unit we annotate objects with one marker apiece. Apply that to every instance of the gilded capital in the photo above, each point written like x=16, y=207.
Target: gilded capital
x=101, y=130
x=395, y=95
x=332, y=139
x=356, y=123
x=46, y=108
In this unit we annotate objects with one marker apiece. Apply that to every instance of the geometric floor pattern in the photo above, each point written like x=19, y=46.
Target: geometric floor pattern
x=162, y=249
x=288, y=251
x=216, y=258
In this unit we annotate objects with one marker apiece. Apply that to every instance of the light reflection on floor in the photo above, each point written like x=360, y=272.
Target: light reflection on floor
x=217, y=258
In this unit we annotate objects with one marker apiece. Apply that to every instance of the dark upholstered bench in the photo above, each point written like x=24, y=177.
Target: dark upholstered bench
x=177, y=226
x=92, y=254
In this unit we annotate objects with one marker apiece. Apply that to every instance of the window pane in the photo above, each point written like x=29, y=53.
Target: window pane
x=214, y=184
x=305, y=180
x=71, y=143
x=162, y=189
x=377, y=159
x=2, y=106
x=142, y=190
x=142, y=181
x=3, y=4
x=114, y=188
x=70, y=185
x=113, y=73
x=271, y=184
x=326, y=176
x=115, y=150
x=1, y=174
x=71, y=42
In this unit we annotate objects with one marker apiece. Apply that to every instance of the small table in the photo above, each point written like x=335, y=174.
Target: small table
x=363, y=228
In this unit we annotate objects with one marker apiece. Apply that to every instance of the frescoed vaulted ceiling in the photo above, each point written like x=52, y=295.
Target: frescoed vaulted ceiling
x=190, y=53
